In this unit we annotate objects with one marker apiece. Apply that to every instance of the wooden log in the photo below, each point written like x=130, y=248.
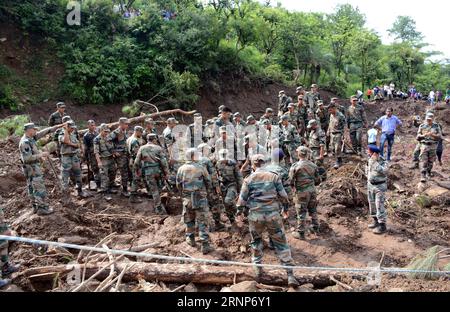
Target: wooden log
x=184, y=274
x=142, y=118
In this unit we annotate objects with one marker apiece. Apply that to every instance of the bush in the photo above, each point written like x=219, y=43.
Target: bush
x=13, y=126
x=7, y=99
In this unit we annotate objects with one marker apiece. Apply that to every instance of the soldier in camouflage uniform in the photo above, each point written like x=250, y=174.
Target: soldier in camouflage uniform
x=293, y=115
x=428, y=135
x=323, y=118
x=194, y=182
x=151, y=163
x=376, y=172
x=60, y=131
x=119, y=138
x=283, y=102
x=260, y=199
x=304, y=176
x=70, y=161
x=268, y=115
x=230, y=180
x=149, y=128
x=56, y=118
x=302, y=116
x=278, y=165
x=134, y=143
x=336, y=130
x=6, y=268
x=312, y=97
x=103, y=151
x=30, y=157
x=239, y=126
x=196, y=130
x=289, y=139
x=356, y=120
x=226, y=140
x=317, y=143
x=89, y=156
x=204, y=151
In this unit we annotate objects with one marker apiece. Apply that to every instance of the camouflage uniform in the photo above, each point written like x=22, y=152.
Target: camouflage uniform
x=336, y=130
x=213, y=199
x=302, y=116
x=283, y=102
x=70, y=162
x=290, y=140
x=311, y=100
x=104, y=147
x=293, y=118
x=356, y=118
x=29, y=155
x=428, y=146
x=230, y=179
x=146, y=133
x=283, y=172
x=304, y=175
x=88, y=140
x=119, y=139
x=152, y=162
x=194, y=181
x=323, y=117
x=316, y=140
x=376, y=172
x=260, y=195
x=56, y=119
x=133, y=145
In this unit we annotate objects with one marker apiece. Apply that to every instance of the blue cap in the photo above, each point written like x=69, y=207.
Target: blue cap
x=374, y=149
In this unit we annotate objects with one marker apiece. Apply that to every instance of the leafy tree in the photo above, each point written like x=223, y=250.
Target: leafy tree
x=404, y=28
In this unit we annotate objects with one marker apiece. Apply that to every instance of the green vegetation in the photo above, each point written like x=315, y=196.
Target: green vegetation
x=13, y=126
x=111, y=59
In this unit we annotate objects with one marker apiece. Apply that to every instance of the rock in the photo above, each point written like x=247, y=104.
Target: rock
x=243, y=248
x=76, y=240
x=436, y=191
x=190, y=288
x=246, y=286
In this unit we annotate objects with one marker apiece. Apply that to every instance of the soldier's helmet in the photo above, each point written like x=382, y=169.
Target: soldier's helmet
x=29, y=126
x=303, y=150
x=191, y=154
x=311, y=123
x=258, y=158
x=104, y=127
x=152, y=136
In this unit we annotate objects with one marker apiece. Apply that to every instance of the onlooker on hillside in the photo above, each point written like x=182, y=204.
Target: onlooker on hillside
x=438, y=96
x=447, y=96
x=432, y=97
x=388, y=124
x=369, y=94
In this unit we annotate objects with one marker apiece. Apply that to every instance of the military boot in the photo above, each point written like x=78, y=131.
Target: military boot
x=4, y=282
x=125, y=192
x=9, y=269
x=374, y=224
x=292, y=281
x=380, y=229
x=134, y=199
x=206, y=248
x=191, y=240
x=299, y=235
x=44, y=211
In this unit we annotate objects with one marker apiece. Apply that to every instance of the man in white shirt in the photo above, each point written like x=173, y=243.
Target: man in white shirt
x=431, y=97
x=372, y=135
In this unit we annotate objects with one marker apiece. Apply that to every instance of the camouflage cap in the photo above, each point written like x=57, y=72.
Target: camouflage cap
x=300, y=88
x=334, y=99
x=319, y=103
x=312, y=122
x=60, y=105
x=266, y=122
x=237, y=114
x=138, y=129
x=72, y=125
x=269, y=110
x=124, y=120
x=223, y=129
x=353, y=98
x=284, y=118
x=258, y=158
x=91, y=122
x=209, y=122
x=250, y=118
x=221, y=107
x=300, y=97
x=303, y=150
x=197, y=115
x=172, y=120
x=29, y=126
x=429, y=116
x=332, y=105
x=104, y=127
x=149, y=121
x=152, y=136
x=291, y=105
x=281, y=92
x=66, y=119
x=314, y=85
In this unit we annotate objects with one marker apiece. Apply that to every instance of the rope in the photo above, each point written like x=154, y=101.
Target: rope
x=219, y=262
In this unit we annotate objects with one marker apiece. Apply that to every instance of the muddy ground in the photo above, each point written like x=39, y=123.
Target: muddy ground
x=344, y=241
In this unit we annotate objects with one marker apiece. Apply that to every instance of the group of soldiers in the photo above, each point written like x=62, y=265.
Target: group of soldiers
x=253, y=170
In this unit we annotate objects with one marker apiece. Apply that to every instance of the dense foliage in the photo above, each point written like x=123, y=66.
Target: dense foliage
x=112, y=59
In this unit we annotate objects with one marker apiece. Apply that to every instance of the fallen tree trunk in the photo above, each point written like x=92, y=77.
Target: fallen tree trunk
x=142, y=118
x=179, y=273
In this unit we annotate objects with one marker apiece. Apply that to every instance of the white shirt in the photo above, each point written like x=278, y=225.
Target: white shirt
x=372, y=135
x=432, y=95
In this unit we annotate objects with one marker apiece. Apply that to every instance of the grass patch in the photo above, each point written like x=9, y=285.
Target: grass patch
x=13, y=126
